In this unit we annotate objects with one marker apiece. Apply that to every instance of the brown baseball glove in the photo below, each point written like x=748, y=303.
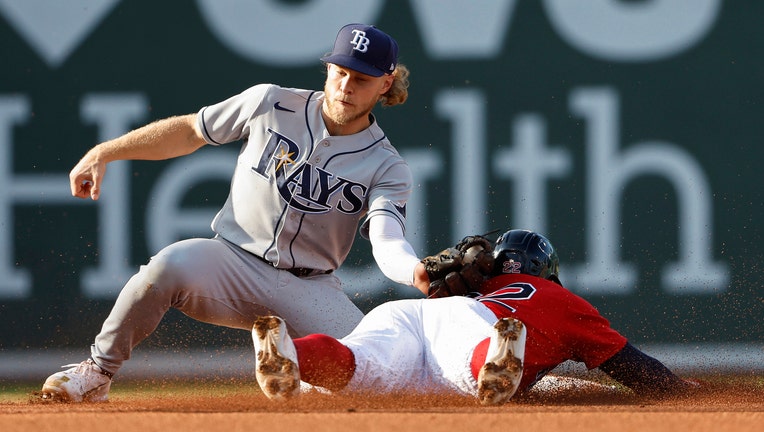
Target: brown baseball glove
x=459, y=270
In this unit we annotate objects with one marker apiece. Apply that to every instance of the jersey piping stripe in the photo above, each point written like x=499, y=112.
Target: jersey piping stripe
x=326, y=163
x=294, y=238
x=286, y=207
x=310, y=153
x=487, y=300
x=204, y=125
x=307, y=120
x=354, y=151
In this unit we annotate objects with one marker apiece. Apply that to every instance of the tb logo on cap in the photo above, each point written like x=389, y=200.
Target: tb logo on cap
x=360, y=42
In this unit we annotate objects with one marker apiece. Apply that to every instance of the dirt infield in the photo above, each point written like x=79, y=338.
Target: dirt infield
x=724, y=404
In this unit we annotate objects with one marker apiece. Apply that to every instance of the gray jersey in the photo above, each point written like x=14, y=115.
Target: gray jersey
x=298, y=194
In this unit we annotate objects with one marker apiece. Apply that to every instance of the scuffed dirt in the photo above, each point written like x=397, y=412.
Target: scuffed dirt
x=722, y=404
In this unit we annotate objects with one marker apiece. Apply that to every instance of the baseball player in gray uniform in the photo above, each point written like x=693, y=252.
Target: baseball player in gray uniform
x=312, y=166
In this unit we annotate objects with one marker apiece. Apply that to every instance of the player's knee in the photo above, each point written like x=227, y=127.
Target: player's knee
x=172, y=269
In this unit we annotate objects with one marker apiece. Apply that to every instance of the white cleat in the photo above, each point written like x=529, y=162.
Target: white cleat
x=84, y=382
x=500, y=376
x=276, y=366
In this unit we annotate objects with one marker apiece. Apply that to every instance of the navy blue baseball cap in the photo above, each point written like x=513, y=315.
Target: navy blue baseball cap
x=364, y=48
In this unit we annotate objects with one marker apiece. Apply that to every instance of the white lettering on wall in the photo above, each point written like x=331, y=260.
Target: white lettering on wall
x=54, y=29
x=608, y=171
x=166, y=220
x=466, y=110
x=426, y=166
x=20, y=189
x=14, y=282
x=611, y=30
x=272, y=32
x=633, y=31
x=275, y=33
x=113, y=114
x=455, y=29
x=528, y=164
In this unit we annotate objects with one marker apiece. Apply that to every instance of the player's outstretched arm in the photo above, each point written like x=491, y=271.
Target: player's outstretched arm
x=394, y=254
x=163, y=139
x=642, y=373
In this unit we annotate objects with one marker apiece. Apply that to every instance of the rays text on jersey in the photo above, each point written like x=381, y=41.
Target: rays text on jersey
x=310, y=189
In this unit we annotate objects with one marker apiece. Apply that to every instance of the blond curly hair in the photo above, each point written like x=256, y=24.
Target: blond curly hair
x=399, y=91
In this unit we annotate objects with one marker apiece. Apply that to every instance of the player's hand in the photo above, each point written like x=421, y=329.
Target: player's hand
x=421, y=279
x=85, y=177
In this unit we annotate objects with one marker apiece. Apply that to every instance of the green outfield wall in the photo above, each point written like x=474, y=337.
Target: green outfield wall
x=630, y=132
